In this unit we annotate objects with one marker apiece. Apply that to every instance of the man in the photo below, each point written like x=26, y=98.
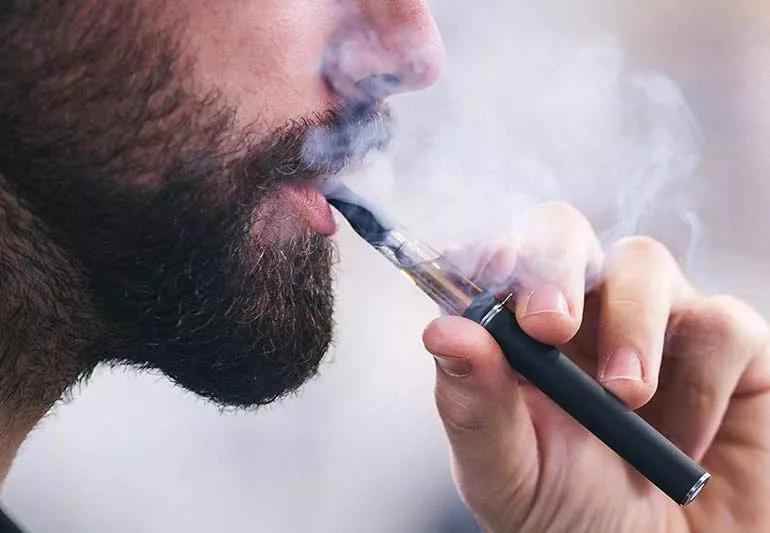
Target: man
x=155, y=158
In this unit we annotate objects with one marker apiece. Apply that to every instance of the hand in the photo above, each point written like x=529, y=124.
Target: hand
x=696, y=367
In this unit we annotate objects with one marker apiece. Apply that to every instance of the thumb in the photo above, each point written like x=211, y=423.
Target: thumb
x=489, y=427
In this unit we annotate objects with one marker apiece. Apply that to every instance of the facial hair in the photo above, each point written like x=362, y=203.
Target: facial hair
x=166, y=209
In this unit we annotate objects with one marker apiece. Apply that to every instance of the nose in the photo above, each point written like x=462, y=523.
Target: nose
x=384, y=48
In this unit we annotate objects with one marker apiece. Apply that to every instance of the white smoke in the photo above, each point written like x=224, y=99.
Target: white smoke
x=534, y=115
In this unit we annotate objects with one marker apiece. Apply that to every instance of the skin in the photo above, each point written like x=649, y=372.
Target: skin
x=521, y=465
x=278, y=60
x=148, y=150
x=702, y=377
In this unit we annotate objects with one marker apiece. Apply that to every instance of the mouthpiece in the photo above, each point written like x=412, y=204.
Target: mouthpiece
x=426, y=268
x=363, y=221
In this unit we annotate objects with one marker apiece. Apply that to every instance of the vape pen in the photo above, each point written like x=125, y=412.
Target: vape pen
x=575, y=391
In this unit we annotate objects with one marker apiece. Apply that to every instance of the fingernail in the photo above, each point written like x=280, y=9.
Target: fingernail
x=547, y=299
x=457, y=367
x=623, y=364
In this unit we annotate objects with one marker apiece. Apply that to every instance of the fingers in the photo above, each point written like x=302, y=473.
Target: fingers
x=641, y=284
x=489, y=428
x=557, y=252
x=709, y=360
x=488, y=263
x=546, y=263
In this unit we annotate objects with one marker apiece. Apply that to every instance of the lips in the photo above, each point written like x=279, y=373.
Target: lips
x=311, y=206
x=340, y=142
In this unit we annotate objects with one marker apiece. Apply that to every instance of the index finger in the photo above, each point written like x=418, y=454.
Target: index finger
x=559, y=257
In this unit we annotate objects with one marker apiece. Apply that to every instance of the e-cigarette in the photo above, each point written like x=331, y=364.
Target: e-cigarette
x=571, y=388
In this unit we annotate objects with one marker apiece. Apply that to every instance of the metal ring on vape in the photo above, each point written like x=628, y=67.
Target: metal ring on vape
x=490, y=316
x=696, y=489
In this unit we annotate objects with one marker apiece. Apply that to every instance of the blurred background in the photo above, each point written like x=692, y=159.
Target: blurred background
x=649, y=116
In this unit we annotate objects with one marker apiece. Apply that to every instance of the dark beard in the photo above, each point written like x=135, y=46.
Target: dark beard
x=146, y=185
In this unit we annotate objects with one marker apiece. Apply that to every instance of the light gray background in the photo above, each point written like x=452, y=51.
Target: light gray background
x=361, y=449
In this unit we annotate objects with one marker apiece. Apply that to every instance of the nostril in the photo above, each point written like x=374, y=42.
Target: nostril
x=390, y=50
x=378, y=86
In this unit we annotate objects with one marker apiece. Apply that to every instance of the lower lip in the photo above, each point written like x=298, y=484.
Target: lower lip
x=312, y=206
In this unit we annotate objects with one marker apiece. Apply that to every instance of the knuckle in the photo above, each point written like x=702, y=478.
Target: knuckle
x=554, y=242
x=698, y=395
x=644, y=245
x=458, y=411
x=560, y=210
x=557, y=216
x=719, y=317
x=636, y=308
x=734, y=320
x=565, y=217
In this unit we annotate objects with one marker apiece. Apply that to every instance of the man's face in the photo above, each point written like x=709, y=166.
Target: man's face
x=278, y=60
x=168, y=147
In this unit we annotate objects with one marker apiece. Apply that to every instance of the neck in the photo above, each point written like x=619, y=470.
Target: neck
x=48, y=329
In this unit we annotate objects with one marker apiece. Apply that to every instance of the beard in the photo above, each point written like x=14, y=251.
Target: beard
x=171, y=214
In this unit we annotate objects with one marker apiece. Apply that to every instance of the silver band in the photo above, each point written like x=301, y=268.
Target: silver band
x=696, y=489
x=490, y=316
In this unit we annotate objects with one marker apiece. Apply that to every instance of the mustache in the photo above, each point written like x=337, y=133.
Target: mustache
x=323, y=145
x=345, y=136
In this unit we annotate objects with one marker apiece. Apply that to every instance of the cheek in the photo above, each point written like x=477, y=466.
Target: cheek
x=265, y=57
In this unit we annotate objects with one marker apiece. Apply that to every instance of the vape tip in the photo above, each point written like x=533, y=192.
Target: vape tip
x=696, y=490
x=361, y=220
